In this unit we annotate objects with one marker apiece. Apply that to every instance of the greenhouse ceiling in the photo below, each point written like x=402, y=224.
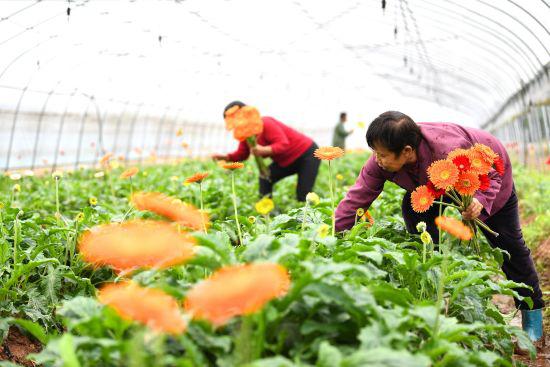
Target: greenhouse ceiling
x=303, y=60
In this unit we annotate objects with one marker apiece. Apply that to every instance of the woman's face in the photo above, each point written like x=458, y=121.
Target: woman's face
x=388, y=160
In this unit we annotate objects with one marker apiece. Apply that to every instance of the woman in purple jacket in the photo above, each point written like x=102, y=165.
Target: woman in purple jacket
x=403, y=150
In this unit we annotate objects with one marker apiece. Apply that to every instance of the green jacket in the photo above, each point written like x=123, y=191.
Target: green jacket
x=340, y=135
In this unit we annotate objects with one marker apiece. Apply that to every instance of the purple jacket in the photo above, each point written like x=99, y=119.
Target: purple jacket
x=438, y=140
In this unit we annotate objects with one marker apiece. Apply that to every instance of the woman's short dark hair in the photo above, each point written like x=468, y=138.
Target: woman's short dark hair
x=394, y=131
x=232, y=104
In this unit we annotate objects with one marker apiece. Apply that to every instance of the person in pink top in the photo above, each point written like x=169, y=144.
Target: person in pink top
x=290, y=150
x=403, y=150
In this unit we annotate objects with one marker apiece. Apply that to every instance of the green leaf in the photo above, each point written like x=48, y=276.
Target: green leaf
x=384, y=357
x=329, y=356
x=34, y=328
x=67, y=351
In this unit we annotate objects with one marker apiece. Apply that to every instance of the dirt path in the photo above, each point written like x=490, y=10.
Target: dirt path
x=17, y=346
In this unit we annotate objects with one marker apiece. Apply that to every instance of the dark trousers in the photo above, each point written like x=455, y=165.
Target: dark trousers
x=306, y=166
x=518, y=267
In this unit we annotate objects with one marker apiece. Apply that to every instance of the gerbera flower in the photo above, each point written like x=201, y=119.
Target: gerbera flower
x=462, y=162
x=136, y=244
x=232, y=165
x=548, y=161
x=171, y=208
x=443, y=173
x=236, y=290
x=421, y=199
x=486, y=152
x=151, y=307
x=105, y=159
x=367, y=217
x=230, y=117
x=130, y=172
x=248, y=123
x=313, y=198
x=457, y=152
x=436, y=193
x=197, y=177
x=467, y=183
x=328, y=153
x=484, y=182
x=454, y=227
x=478, y=162
x=264, y=206
x=499, y=165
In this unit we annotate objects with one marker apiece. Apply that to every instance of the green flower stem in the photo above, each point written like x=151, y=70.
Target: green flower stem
x=440, y=234
x=131, y=187
x=57, y=214
x=331, y=196
x=446, y=204
x=304, y=218
x=202, y=207
x=484, y=226
x=235, y=207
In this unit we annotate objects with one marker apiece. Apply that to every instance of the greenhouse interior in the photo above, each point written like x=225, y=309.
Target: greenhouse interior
x=274, y=183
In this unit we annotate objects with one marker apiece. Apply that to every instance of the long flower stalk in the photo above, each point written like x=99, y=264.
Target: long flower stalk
x=202, y=206
x=235, y=207
x=331, y=197
x=264, y=172
x=304, y=217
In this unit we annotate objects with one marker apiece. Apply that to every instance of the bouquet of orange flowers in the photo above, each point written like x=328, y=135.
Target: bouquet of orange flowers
x=463, y=173
x=246, y=123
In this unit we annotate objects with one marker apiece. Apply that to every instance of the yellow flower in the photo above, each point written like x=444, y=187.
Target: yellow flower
x=92, y=200
x=174, y=178
x=99, y=174
x=323, y=230
x=339, y=177
x=360, y=212
x=179, y=132
x=144, y=173
x=313, y=198
x=252, y=219
x=114, y=164
x=264, y=206
x=1, y=205
x=361, y=125
x=79, y=217
x=426, y=238
x=17, y=188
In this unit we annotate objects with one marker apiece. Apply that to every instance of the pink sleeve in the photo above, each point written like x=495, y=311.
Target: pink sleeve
x=242, y=152
x=366, y=189
x=276, y=136
x=487, y=198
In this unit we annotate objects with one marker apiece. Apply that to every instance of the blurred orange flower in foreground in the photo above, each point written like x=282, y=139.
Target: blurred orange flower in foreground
x=171, y=208
x=130, y=172
x=232, y=165
x=151, y=307
x=236, y=290
x=136, y=244
x=454, y=227
x=328, y=153
x=197, y=177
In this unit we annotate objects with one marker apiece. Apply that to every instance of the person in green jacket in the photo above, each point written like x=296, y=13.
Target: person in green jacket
x=340, y=134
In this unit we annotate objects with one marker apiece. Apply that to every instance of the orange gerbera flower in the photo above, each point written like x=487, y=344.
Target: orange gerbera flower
x=486, y=152
x=328, y=153
x=197, y=177
x=247, y=123
x=236, y=290
x=130, y=172
x=105, y=159
x=232, y=165
x=499, y=165
x=478, y=162
x=136, y=244
x=454, y=227
x=421, y=199
x=171, y=208
x=151, y=307
x=443, y=173
x=368, y=217
x=468, y=183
